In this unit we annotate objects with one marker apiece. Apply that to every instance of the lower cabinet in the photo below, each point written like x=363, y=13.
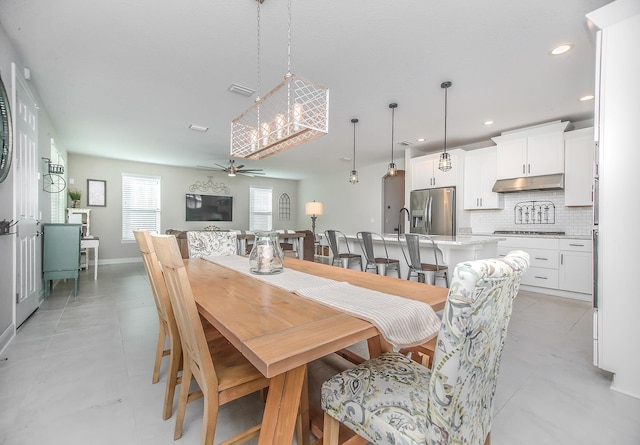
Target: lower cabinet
x=557, y=264
x=576, y=269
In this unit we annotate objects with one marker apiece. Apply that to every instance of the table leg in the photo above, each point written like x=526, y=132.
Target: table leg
x=281, y=410
x=95, y=267
x=301, y=248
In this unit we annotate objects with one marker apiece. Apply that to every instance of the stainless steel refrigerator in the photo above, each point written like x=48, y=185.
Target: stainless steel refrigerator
x=433, y=211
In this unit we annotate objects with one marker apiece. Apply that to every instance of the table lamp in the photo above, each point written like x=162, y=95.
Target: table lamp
x=313, y=209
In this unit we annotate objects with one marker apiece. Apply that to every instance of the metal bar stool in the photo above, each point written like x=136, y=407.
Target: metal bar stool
x=343, y=259
x=381, y=264
x=416, y=266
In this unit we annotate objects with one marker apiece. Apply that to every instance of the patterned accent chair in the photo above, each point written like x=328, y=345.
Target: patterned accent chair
x=211, y=243
x=393, y=400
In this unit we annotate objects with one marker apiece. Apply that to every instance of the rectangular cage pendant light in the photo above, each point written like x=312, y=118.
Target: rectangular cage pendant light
x=294, y=112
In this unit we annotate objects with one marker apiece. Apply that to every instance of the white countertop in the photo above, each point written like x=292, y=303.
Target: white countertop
x=534, y=235
x=459, y=240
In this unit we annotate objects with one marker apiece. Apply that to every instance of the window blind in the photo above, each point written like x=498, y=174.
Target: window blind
x=58, y=200
x=260, y=208
x=140, y=204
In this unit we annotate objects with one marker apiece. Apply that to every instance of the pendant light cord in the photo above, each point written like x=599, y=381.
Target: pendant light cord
x=354, y=142
x=446, y=90
x=289, y=39
x=258, y=54
x=393, y=124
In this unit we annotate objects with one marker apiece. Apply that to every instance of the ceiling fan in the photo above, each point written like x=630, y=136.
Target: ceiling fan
x=233, y=170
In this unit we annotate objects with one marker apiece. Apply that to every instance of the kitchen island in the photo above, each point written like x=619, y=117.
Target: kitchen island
x=451, y=250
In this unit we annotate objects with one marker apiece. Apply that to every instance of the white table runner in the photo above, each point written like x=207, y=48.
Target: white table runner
x=401, y=321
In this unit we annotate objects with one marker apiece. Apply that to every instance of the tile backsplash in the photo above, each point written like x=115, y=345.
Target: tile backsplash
x=572, y=220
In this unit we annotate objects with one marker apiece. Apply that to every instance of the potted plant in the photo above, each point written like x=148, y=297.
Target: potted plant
x=75, y=196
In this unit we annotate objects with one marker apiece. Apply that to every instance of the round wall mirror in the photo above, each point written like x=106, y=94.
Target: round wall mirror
x=6, y=146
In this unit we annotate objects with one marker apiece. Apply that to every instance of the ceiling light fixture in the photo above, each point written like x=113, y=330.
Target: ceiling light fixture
x=445, y=158
x=488, y=122
x=392, y=171
x=353, y=178
x=561, y=49
x=294, y=112
x=421, y=139
x=587, y=97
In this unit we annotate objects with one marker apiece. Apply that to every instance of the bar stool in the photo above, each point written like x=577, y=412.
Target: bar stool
x=381, y=264
x=416, y=266
x=343, y=259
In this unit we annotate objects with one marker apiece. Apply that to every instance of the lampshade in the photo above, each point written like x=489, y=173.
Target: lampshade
x=313, y=208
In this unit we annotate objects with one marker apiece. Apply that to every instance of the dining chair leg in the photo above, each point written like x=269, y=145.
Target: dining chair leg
x=488, y=440
x=210, y=417
x=162, y=337
x=330, y=431
x=182, y=399
x=175, y=361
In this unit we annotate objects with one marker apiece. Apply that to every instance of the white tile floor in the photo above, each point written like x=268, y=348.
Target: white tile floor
x=79, y=372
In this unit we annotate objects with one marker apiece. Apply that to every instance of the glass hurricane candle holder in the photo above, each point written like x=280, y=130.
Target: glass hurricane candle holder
x=266, y=257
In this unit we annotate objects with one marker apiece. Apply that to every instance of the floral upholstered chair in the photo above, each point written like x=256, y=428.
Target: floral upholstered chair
x=211, y=243
x=393, y=400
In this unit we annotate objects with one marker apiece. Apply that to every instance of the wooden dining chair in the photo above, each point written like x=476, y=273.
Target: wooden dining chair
x=166, y=322
x=211, y=243
x=392, y=399
x=221, y=371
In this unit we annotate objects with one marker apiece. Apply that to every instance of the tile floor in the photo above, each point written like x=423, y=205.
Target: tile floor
x=79, y=372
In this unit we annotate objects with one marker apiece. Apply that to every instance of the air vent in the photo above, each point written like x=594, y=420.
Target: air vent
x=201, y=128
x=239, y=89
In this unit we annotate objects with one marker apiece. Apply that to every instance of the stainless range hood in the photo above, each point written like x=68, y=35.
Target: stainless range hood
x=545, y=182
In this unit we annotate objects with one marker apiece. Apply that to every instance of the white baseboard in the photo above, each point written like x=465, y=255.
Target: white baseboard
x=118, y=261
x=7, y=336
x=557, y=292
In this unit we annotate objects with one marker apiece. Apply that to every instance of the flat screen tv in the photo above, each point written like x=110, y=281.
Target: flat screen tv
x=209, y=207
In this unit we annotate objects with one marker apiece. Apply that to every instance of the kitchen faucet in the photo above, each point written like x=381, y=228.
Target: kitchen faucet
x=404, y=209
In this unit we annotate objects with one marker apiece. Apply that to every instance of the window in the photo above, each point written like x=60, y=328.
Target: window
x=58, y=200
x=260, y=208
x=140, y=204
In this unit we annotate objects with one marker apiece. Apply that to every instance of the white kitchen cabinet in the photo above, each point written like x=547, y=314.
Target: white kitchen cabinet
x=579, y=156
x=480, y=173
x=575, y=271
x=533, y=151
x=543, y=259
x=425, y=173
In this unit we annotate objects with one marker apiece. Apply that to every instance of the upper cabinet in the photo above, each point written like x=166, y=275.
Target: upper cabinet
x=532, y=151
x=579, y=156
x=480, y=172
x=425, y=173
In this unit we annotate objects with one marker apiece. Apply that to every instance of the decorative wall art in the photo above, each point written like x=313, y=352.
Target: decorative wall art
x=96, y=192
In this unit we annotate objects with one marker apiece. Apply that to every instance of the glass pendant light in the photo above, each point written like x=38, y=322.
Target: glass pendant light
x=445, y=158
x=392, y=171
x=353, y=178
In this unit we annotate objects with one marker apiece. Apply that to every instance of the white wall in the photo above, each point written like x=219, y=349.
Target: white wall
x=347, y=207
x=106, y=222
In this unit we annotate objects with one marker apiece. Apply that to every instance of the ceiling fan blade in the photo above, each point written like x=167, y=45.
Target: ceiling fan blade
x=223, y=167
x=204, y=167
x=239, y=166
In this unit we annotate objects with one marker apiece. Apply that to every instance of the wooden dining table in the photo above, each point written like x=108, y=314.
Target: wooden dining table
x=280, y=332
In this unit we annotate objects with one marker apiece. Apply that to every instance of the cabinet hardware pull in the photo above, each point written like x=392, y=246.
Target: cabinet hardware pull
x=480, y=202
x=576, y=245
x=477, y=202
x=562, y=258
x=540, y=278
x=545, y=259
x=523, y=171
x=529, y=166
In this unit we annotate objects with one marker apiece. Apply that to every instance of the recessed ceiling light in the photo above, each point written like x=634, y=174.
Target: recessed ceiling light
x=345, y=158
x=587, y=97
x=561, y=49
x=488, y=122
x=201, y=128
x=421, y=140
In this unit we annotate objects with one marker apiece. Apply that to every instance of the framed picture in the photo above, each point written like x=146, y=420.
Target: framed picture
x=96, y=192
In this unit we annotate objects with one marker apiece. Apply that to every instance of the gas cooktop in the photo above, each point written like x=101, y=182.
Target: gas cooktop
x=525, y=232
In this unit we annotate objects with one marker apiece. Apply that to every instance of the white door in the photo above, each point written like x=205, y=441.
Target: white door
x=26, y=212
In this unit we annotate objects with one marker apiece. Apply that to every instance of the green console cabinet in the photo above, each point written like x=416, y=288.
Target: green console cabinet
x=60, y=253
